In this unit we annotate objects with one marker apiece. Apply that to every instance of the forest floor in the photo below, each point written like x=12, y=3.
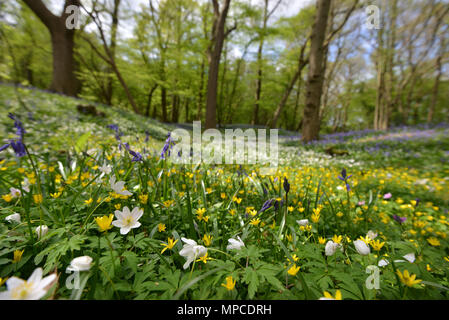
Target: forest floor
x=334, y=207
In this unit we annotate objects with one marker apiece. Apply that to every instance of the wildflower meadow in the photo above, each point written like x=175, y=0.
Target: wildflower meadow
x=95, y=209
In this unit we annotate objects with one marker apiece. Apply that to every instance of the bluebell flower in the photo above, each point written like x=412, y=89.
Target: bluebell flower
x=344, y=177
x=286, y=185
x=169, y=143
x=266, y=205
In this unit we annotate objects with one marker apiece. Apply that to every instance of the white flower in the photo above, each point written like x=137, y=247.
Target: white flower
x=106, y=169
x=41, y=231
x=13, y=217
x=383, y=263
x=127, y=220
x=26, y=185
x=235, y=244
x=191, y=251
x=15, y=193
x=371, y=234
x=119, y=187
x=331, y=247
x=80, y=264
x=303, y=222
x=361, y=247
x=410, y=257
x=32, y=289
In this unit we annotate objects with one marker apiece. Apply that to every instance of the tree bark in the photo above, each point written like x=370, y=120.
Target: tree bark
x=311, y=126
x=62, y=39
x=218, y=36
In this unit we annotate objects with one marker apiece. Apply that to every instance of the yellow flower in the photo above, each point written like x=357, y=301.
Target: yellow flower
x=2, y=281
x=7, y=197
x=294, y=257
x=37, y=198
x=289, y=237
x=446, y=258
x=143, y=198
x=55, y=195
x=337, y=239
x=230, y=283
x=273, y=225
x=407, y=279
x=168, y=203
x=433, y=241
x=340, y=214
x=206, y=218
x=168, y=245
x=104, y=223
x=204, y=258
x=290, y=209
x=223, y=195
x=88, y=201
x=321, y=240
x=207, y=239
x=255, y=222
x=316, y=215
x=232, y=212
x=237, y=200
x=293, y=270
x=117, y=206
x=377, y=245
x=327, y=295
x=161, y=227
x=200, y=212
x=17, y=256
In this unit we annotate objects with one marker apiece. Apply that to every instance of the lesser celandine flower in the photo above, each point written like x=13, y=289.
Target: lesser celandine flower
x=33, y=289
x=293, y=270
x=37, y=198
x=7, y=197
x=377, y=245
x=328, y=296
x=321, y=240
x=161, y=227
x=407, y=279
x=230, y=283
x=104, y=223
x=17, y=256
x=207, y=239
x=255, y=222
x=169, y=245
x=433, y=241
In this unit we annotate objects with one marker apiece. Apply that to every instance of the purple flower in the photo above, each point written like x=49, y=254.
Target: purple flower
x=387, y=196
x=169, y=143
x=136, y=155
x=266, y=205
x=343, y=177
x=361, y=203
x=286, y=185
x=399, y=219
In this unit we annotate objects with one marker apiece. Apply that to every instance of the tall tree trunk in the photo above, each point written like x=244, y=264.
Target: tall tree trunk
x=62, y=40
x=112, y=45
x=218, y=36
x=434, y=99
x=311, y=126
x=150, y=99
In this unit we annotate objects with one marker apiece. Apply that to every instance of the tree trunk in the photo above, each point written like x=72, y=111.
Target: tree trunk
x=62, y=39
x=435, y=90
x=311, y=126
x=218, y=37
